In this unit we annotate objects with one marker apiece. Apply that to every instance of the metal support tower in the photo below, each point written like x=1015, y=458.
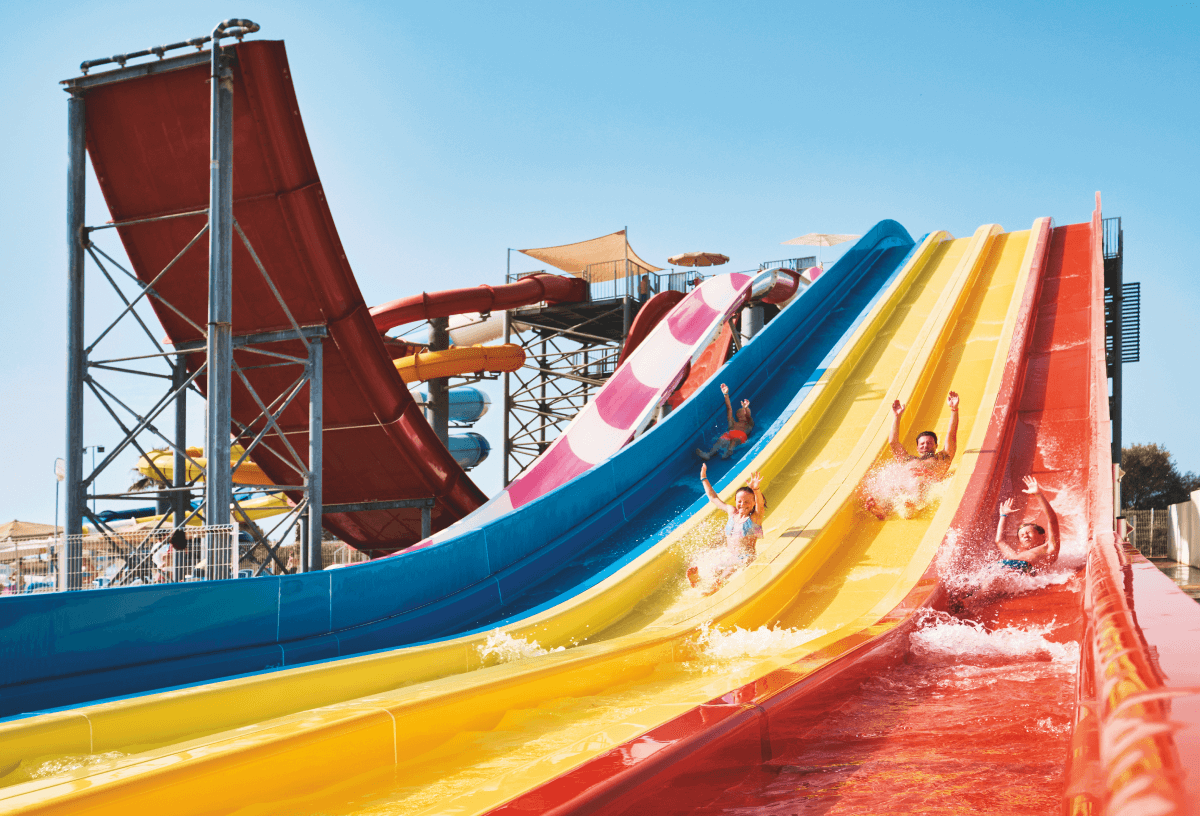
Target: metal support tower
x=571, y=350
x=212, y=356
x=439, y=387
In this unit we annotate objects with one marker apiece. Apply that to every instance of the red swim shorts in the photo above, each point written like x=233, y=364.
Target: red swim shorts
x=736, y=436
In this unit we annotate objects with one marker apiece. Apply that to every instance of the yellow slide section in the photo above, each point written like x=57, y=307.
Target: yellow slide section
x=159, y=466
x=429, y=365
x=476, y=739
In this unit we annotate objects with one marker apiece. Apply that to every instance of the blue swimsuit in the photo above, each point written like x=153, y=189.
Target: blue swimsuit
x=746, y=528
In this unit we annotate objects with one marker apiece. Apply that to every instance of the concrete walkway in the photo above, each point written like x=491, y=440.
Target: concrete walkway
x=1187, y=577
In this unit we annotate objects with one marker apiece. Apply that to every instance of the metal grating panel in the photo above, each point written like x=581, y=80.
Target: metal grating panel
x=1131, y=322
x=1112, y=237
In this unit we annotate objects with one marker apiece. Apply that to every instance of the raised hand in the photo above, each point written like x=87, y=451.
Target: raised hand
x=746, y=404
x=725, y=389
x=952, y=400
x=704, y=471
x=897, y=408
x=1031, y=486
x=1007, y=506
x=754, y=481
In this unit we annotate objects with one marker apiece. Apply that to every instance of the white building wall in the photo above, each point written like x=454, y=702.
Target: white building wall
x=1183, y=531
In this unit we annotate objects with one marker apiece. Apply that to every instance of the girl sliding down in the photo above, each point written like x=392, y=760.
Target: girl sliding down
x=742, y=532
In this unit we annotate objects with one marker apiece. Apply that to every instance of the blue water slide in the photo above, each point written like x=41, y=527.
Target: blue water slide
x=67, y=648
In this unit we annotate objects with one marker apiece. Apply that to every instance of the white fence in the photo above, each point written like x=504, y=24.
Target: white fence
x=121, y=558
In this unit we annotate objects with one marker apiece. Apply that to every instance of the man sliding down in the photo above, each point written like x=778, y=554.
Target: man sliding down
x=904, y=484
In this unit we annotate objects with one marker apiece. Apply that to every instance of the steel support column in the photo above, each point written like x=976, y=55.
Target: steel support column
x=439, y=388
x=315, y=443
x=181, y=500
x=506, y=406
x=217, y=486
x=752, y=322
x=70, y=553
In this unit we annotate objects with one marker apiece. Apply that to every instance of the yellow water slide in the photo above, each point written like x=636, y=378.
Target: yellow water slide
x=430, y=729
x=159, y=466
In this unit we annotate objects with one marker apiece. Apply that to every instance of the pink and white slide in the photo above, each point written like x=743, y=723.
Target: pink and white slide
x=628, y=401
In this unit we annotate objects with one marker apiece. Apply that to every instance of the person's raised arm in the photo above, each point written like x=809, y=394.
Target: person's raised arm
x=760, y=503
x=1006, y=508
x=713, y=498
x=1052, y=540
x=952, y=433
x=728, y=405
x=898, y=450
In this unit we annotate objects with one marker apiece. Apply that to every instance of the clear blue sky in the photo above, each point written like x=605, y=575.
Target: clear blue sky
x=447, y=132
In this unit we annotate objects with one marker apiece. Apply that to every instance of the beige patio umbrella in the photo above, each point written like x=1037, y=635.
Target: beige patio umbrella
x=821, y=239
x=698, y=259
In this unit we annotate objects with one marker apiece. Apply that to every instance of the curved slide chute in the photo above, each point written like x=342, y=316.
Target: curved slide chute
x=151, y=160
x=627, y=402
x=569, y=540
x=523, y=292
x=648, y=316
x=429, y=365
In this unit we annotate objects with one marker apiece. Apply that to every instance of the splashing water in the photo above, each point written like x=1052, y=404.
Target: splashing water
x=942, y=638
x=716, y=646
x=898, y=489
x=501, y=647
x=969, y=563
x=43, y=768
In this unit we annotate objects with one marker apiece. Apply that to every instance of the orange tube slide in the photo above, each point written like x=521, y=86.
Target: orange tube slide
x=430, y=365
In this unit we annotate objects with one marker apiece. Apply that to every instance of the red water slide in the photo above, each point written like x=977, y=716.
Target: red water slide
x=530, y=289
x=148, y=141
x=876, y=729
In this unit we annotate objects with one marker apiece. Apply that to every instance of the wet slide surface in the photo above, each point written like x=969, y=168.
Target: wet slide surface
x=987, y=709
x=972, y=710
x=547, y=725
x=479, y=738
x=804, y=335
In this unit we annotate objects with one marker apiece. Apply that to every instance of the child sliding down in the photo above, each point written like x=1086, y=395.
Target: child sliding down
x=741, y=426
x=742, y=532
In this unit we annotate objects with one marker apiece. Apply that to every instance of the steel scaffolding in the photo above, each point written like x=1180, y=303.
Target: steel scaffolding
x=181, y=366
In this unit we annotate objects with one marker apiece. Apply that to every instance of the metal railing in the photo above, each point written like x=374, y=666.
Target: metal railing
x=798, y=264
x=612, y=280
x=1148, y=531
x=120, y=558
x=1112, y=237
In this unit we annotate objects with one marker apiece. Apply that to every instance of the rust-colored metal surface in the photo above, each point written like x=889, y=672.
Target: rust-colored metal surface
x=148, y=141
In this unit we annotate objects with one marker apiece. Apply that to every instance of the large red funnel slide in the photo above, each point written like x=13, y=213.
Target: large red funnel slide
x=148, y=141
